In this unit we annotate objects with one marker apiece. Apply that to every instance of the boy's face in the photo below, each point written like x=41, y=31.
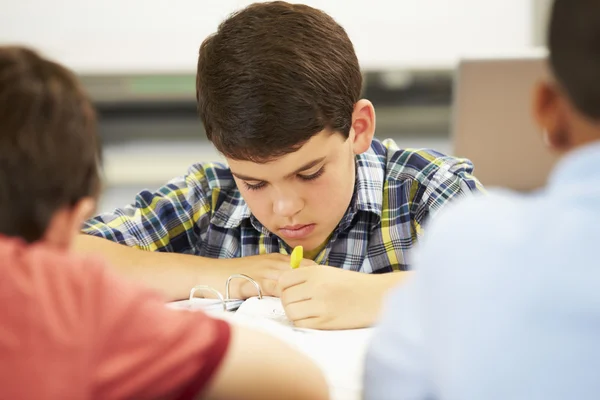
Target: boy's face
x=302, y=196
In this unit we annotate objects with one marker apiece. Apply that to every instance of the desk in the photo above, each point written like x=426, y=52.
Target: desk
x=339, y=354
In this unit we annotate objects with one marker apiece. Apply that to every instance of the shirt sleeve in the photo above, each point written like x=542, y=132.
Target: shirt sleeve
x=447, y=180
x=170, y=219
x=407, y=350
x=144, y=350
x=396, y=364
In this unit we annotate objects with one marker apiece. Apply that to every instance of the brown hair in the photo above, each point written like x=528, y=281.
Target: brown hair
x=49, y=152
x=574, y=43
x=274, y=75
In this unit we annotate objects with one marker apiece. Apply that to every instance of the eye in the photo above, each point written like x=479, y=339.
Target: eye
x=256, y=186
x=312, y=176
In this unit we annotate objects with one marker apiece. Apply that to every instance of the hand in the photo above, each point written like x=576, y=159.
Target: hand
x=323, y=297
x=265, y=269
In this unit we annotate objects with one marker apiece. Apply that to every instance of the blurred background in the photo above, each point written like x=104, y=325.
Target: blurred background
x=137, y=59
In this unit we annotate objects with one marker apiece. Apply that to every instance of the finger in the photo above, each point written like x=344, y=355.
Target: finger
x=269, y=288
x=247, y=289
x=292, y=277
x=309, y=323
x=323, y=323
x=295, y=294
x=301, y=310
x=307, y=262
x=276, y=290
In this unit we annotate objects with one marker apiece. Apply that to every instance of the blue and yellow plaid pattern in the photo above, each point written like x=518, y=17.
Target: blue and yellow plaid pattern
x=204, y=214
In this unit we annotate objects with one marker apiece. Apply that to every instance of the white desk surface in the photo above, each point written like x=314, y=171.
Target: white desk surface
x=339, y=354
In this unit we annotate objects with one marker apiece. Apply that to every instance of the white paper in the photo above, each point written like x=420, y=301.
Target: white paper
x=340, y=354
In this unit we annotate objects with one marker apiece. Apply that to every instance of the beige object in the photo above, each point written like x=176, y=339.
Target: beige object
x=492, y=122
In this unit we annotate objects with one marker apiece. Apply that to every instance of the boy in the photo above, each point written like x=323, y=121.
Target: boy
x=69, y=328
x=278, y=88
x=518, y=316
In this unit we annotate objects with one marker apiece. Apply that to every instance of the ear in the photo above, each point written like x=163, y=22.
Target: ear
x=363, y=126
x=551, y=114
x=66, y=223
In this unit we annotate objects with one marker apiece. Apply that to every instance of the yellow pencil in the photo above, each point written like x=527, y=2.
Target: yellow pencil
x=297, y=256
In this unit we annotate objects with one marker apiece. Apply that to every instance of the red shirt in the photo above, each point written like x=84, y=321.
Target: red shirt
x=70, y=329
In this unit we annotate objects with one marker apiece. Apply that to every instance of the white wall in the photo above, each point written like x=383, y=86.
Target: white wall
x=164, y=35
x=541, y=18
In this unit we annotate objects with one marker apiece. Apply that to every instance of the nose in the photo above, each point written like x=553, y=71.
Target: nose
x=287, y=204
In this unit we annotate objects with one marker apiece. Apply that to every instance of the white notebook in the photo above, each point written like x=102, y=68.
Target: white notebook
x=254, y=307
x=340, y=354
x=205, y=304
x=267, y=307
x=216, y=301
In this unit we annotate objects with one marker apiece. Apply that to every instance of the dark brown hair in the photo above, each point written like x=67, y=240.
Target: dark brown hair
x=49, y=152
x=274, y=75
x=574, y=44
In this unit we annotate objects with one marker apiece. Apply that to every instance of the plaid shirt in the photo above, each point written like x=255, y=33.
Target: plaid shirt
x=203, y=212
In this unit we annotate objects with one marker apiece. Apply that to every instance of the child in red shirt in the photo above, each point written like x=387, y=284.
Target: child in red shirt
x=70, y=329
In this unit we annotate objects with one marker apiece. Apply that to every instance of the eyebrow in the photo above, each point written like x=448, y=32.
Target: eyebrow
x=303, y=168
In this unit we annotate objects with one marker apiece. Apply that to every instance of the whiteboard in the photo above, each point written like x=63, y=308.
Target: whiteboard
x=139, y=36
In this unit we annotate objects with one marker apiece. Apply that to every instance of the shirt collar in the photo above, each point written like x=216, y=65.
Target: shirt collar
x=370, y=170
x=231, y=212
x=368, y=188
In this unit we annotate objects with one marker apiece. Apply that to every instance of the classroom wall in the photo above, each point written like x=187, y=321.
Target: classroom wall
x=394, y=39
x=541, y=15
x=157, y=35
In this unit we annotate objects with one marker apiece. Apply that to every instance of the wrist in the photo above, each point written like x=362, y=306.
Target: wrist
x=238, y=288
x=213, y=272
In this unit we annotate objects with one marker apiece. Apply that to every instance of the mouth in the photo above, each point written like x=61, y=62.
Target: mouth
x=297, y=231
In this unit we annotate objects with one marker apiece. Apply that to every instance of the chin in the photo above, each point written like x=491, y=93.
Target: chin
x=307, y=244
x=313, y=243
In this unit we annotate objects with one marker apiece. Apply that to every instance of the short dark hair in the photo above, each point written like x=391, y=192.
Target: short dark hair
x=274, y=75
x=574, y=44
x=49, y=152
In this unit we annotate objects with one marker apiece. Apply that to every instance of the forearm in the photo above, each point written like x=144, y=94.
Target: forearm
x=172, y=274
x=391, y=280
x=263, y=367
